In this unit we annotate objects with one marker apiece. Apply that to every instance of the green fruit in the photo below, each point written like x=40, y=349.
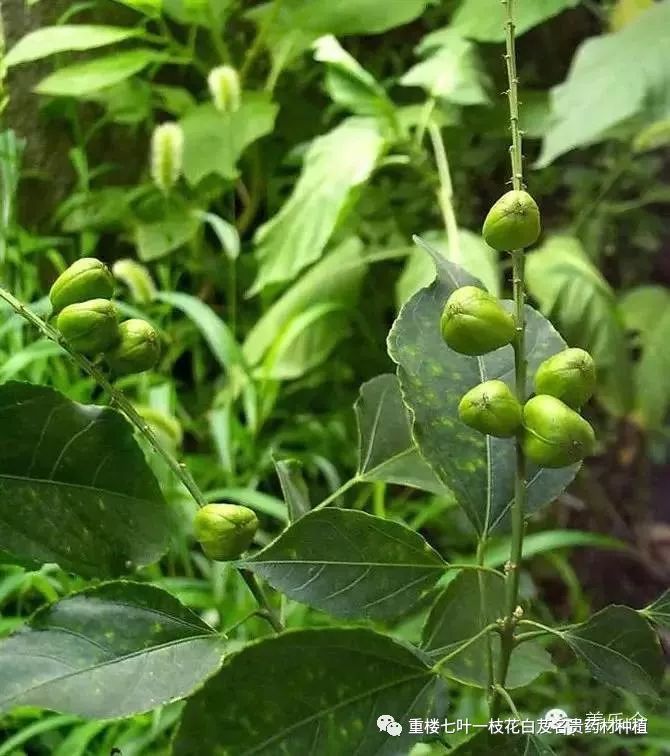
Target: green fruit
x=474, y=322
x=225, y=530
x=554, y=434
x=569, y=376
x=138, y=348
x=513, y=222
x=89, y=327
x=491, y=408
x=85, y=279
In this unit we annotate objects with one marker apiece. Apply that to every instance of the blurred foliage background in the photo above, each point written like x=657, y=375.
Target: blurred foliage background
x=285, y=252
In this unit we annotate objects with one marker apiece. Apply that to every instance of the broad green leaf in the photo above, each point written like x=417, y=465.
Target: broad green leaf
x=225, y=232
x=80, y=79
x=478, y=469
x=348, y=83
x=110, y=651
x=480, y=20
x=294, y=488
x=451, y=70
x=659, y=611
x=469, y=603
x=207, y=13
x=574, y=295
x=157, y=239
x=334, y=684
x=335, y=164
x=640, y=308
x=350, y=564
x=472, y=254
x=61, y=496
x=214, y=141
x=620, y=649
x=335, y=278
x=386, y=449
x=486, y=742
x=584, y=107
x=54, y=39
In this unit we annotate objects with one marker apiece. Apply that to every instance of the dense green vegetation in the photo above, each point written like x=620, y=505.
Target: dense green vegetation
x=286, y=194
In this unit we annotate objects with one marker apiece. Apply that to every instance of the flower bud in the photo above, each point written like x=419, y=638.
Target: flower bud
x=89, y=327
x=474, y=322
x=569, y=376
x=167, y=150
x=87, y=278
x=513, y=222
x=225, y=530
x=554, y=434
x=224, y=86
x=491, y=408
x=138, y=349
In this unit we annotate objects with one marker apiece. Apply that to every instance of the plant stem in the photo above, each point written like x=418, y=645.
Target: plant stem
x=518, y=506
x=257, y=592
x=445, y=193
x=501, y=691
x=493, y=627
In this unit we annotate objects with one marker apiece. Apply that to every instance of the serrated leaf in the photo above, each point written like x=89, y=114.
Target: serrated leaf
x=572, y=292
x=61, y=497
x=386, y=449
x=111, y=651
x=334, y=684
x=620, y=649
x=480, y=20
x=54, y=39
x=294, y=488
x=350, y=564
x=335, y=164
x=659, y=611
x=469, y=603
x=433, y=378
x=214, y=141
x=80, y=79
x=584, y=108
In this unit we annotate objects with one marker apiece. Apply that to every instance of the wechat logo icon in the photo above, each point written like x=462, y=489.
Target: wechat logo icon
x=386, y=723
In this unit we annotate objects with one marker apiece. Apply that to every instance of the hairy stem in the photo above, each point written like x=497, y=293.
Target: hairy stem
x=517, y=515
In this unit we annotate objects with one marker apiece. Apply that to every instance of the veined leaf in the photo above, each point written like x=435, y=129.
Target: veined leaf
x=61, y=496
x=110, y=651
x=335, y=682
x=433, y=378
x=350, y=564
x=294, y=488
x=659, y=611
x=54, y=39
x=334, y=165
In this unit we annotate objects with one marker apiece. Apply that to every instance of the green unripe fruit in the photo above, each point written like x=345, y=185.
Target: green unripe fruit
x=569, y=376
x=85, y=279
x=474, y=322
x=138, y=349
x=491, y=408
x=555, y=435
x=225, y=530
x=89, y=327
x=513, y=222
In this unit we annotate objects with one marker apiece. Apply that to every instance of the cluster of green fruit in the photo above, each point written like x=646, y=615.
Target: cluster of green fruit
x=474, y=322
x=88, y=319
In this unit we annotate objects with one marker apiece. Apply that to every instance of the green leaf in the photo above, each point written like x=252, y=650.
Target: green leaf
x=620, y=649
x=335, y=164
x=350, y=564
x=433, y=378
x=214, y=141
x=572, y=292
x=659, y=611
x=451, y=71
x=334, y=684
x=294, y=488
x=81, y=79
x=653, y=136
x=54, y=39
x=469, y=603
x=225, y=232
x=336, y=279
x=386, y=449
x=110, y=651
x=61, y=496
x=486, y=742
x=348, y=83
x=157, y=239
x=480, y=20
x=584, y=107
x=207, y=13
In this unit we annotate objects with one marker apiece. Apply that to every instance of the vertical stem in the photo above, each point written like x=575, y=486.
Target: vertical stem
x=513, y=566
x=446, y=193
